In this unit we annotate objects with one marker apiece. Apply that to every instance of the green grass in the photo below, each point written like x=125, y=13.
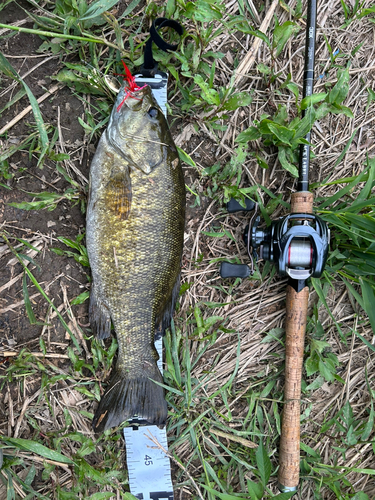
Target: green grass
x=224, y=424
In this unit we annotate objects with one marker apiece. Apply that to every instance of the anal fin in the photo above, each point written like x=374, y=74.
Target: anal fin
x=99, y=316
x=164, y=317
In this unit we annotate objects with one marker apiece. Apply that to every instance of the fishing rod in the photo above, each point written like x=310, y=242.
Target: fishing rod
x=298, y=246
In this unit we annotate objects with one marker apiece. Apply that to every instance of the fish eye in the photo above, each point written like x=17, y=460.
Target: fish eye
x=152, y=112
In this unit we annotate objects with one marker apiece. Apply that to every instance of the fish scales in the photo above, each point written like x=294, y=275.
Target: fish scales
x=135, y=224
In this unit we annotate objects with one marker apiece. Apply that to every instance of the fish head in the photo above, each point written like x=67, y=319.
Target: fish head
x=138, y=129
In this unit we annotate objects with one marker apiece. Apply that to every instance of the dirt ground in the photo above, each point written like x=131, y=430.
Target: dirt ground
x=41, y=227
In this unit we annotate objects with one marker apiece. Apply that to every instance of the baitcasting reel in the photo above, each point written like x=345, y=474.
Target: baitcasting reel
x=297, y=244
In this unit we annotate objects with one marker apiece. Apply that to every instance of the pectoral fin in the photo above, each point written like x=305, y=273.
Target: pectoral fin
x=118, y=194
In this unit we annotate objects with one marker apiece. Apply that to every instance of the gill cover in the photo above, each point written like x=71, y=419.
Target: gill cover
x=137, y=129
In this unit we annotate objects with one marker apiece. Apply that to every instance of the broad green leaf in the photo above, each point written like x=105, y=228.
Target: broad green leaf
x=35, y=447
x=70, y=243
x=185, y=157
x=309, y=450
x=293, y=88
x=237, y=100
x=323, y=110
x=325, y=371
x=369, y=425
x=130, y=8
x=319, y=345
x=250, y=134
x=263, y=68
x=306, y=123
x=87, y=447
x=284, y=134
x=203, y=11
x=217, y=494
x=263, y=164
x=211, y=96
x=341, y=89
x=282, y=34
x=368, y=301
x=98, y=8
x=360, y=496
x=263, y=125
x=261, y=35
x=79, y=83
x=338, y=109
x=213, y=234
x=105, y=495
x=312, y=364
x=263, y=463
x=316, y=384
x=312, y=99
x=81, y=298
x=32, y=205
x=84, y=125
x=284, y=496
x=335, y=109
x=266, y=391
x=285, y=162
x=273, y=335
x=255, y=490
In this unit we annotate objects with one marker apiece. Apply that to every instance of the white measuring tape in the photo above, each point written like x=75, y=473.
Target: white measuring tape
x=149, y=468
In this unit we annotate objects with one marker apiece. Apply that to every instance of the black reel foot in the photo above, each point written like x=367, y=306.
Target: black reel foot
x=228, y=270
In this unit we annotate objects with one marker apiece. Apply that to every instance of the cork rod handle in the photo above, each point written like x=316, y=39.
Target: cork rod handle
x=296, y=316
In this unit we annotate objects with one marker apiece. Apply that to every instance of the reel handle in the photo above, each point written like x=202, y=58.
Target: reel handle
x=228, y=270
x=234, y=206
x=296, y=317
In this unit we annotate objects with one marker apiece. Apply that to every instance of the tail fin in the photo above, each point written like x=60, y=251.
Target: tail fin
x=128, y=397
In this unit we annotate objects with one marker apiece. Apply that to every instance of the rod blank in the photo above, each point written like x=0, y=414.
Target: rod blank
x=308, y=86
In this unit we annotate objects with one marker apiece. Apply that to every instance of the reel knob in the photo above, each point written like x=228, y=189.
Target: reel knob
x=228, y=270
x=234, y=206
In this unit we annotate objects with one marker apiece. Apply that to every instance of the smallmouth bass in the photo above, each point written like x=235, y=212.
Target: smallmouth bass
x=134, y=234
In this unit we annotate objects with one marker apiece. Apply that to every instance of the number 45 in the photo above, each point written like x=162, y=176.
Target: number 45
x=148, y=460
